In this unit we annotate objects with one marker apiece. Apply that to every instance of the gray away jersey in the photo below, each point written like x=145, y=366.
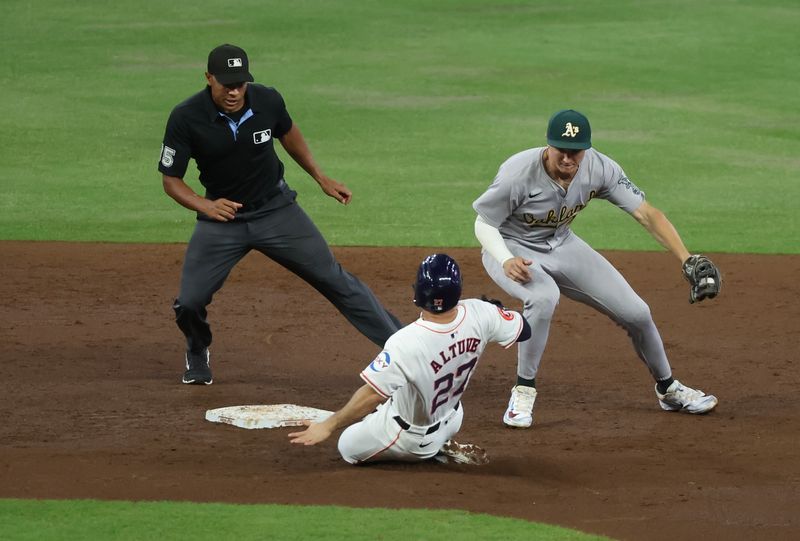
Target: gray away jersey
x=527, y=206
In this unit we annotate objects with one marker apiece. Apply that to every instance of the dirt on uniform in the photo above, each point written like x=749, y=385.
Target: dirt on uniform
x=93, y=407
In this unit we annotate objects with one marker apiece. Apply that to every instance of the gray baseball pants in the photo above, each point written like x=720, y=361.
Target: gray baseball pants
x=284, y=233
x=581, y=274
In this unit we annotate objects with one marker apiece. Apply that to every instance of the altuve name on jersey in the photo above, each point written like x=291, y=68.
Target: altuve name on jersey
x=467, y=345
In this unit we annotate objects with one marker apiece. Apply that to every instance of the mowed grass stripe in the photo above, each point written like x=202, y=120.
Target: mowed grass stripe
x=413, y=105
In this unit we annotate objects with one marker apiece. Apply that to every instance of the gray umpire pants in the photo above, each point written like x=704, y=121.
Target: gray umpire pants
x=282, y=231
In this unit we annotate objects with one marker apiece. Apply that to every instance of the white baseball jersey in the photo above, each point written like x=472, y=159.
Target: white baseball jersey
x=425, y=367
x=527, y=206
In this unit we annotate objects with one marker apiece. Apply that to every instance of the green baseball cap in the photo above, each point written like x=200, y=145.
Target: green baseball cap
x=569, y=129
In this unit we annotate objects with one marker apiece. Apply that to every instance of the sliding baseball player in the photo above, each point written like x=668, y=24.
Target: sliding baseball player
x=412, y=390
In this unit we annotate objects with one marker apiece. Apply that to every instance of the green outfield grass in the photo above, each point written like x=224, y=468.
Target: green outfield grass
x=413, y=105
x=22, y=520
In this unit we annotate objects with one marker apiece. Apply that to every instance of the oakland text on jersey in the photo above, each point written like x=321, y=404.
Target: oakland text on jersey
x=467, y=345
x=565, y=216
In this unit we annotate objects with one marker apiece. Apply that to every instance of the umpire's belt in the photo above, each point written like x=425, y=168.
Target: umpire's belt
x=250, y=206
x=431, y=429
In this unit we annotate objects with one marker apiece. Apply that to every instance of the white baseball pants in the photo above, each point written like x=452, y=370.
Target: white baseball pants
x=379, y=436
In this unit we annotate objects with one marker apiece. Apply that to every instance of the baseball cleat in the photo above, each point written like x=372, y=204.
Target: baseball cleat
x=679, y=397
x=520, y=408
x=462, y=453
x=198, y=371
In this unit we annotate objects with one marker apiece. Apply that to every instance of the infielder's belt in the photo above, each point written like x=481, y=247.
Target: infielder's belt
x=431, y=429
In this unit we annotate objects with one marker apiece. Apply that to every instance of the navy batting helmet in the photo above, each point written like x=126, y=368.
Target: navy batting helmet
x=438, y=285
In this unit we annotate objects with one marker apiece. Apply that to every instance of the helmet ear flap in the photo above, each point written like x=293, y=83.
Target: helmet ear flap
x=438, y=285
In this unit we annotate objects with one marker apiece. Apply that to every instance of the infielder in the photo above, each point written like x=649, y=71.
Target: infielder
x=529, y=250
x=230, y=128
x=417, y=381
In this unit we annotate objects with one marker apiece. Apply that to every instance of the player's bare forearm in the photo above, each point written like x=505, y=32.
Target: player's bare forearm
x=363, y=401
x=295, y=144
x=178, y=190
x=220, y=209
x=661, y=229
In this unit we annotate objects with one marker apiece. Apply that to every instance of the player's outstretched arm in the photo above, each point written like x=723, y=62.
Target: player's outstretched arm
x=221, y=209
x=363, y=401
x=492, y=241
x=661, y=229
x=295, y=144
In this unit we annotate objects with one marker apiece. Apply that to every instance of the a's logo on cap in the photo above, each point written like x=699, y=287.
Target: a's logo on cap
x=234, y=62
x=570, y=130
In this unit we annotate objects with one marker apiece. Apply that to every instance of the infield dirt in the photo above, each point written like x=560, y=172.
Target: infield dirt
x=93, y=407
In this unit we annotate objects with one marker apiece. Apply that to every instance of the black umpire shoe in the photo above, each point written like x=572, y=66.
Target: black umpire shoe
x=198, y=371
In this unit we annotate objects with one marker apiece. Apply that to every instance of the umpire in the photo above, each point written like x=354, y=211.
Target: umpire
x=229, y=129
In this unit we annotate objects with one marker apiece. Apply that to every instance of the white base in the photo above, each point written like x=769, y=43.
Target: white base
x=269, y=416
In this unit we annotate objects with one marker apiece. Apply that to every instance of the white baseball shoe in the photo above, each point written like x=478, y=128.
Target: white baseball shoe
x=520, y=408
x=679, y=397
x=462, y=453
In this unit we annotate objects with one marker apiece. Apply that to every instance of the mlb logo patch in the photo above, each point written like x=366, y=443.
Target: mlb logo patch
x=260, y=137
x=234, y=62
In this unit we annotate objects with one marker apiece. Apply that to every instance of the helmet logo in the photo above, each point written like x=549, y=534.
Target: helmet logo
x=570, y=130
x=438, y=285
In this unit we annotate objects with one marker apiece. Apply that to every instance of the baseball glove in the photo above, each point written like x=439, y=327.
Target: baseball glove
x=704, y=278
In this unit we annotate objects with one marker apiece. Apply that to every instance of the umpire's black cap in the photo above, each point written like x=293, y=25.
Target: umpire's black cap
x=569, y=129
x=228, y=64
